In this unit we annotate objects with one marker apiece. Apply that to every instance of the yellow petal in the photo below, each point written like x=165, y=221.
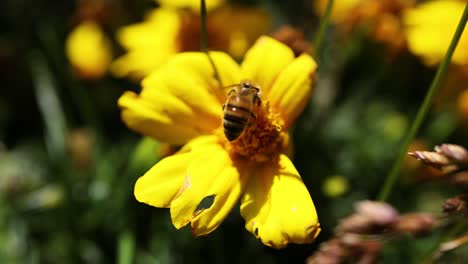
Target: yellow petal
x=189, y=99
x=199, y=65
x=341, y=8
x=165, y=180
x=199, y=142
x=250, y=24
x=149, y=44
x=179, y=100
x=141, y=62
x=430, y=27
x=146, y=118
x=161, y=25
x=213, y=187
x=264, y=61
x=192, y=4
x=160, y=185
x=277, y=207
x=290, y=92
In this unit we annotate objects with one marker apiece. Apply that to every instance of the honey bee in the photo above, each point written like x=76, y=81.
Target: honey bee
x=239, y=108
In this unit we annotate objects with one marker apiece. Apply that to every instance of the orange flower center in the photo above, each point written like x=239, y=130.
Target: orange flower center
x=261, y=141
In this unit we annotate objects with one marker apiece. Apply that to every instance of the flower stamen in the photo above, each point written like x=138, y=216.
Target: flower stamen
x=263, y=140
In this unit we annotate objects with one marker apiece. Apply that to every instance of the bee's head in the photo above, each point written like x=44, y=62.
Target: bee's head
x=248, y=85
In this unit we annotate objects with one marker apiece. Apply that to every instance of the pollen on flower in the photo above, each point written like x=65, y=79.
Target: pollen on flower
x=263, y=140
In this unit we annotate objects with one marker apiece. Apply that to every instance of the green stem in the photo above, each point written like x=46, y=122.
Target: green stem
x=204, y=41
x=204, y=33
x=392, y=177
x=49, y=107
x=322, y=28
x=55, y=128
x=126, y=248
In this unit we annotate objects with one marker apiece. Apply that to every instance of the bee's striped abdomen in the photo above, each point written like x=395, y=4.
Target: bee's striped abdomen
x=237, y=111
x=235, y=120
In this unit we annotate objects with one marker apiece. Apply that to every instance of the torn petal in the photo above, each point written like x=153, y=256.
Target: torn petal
x=214, y=190
x=168, y=179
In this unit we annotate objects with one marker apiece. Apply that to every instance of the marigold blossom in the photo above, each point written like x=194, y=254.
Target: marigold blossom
x=430, y=27
x=167, y=31
x=340, y=9
x=192, y=4
x=181, y=103
x=381, y=19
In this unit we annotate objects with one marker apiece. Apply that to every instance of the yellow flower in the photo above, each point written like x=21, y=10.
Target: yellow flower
x=462, y=105
x=149, y=43
x=381, y=19
x=181, y=103
x=340, y=10
x=89, y=50
x=430, y=27
x=167, y=31
x=192, y=4
x=335, y=186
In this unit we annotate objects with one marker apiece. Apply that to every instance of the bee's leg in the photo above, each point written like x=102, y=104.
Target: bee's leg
x=232, y=88
x=224, y=106
x=231, y=91
x=258, y=101
x=252, y=119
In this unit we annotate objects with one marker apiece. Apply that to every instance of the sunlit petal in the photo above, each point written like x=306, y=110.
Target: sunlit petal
x=203, y=71
x=210, y=191
x=167, y=179
x=290, y=92
x=179, y=101
x=160, y=185
x=264, y=62
x=277, y=207
x=146, y=118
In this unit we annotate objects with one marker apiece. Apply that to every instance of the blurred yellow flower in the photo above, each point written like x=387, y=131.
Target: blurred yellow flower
x=149, y=43
x=167, y=31
x=430, y=27
x=335, y=186
x=194, y=5
x=181, y=103
x=89, y=50
x=462, y=105
x=381, y=18
x=340, y=10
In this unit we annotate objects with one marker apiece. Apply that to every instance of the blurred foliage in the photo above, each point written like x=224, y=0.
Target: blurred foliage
x=68, y=164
